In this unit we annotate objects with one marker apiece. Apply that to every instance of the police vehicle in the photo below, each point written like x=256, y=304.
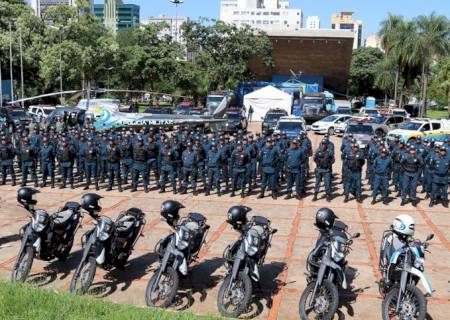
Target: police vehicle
x=292, y=126
x=427, y=129
x=362, y=131
x=236, y=120
x=328, y=124
x=270, y=121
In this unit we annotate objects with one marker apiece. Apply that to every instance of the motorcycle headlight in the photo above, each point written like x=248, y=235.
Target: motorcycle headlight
x=182, y=238
x=39, y=221
x=337, y=251
x=251, y=242
x=104, y=229
x=418, y=263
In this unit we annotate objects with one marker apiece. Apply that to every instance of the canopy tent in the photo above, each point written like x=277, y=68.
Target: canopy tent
x=267, y=98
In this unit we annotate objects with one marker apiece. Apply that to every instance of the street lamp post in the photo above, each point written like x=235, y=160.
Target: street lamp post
x=21, y=66
x=109, y=83
x=11, y=63
x=60, y=29
x=176, y=2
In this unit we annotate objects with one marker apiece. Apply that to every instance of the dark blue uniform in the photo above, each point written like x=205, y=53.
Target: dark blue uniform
x=353, y=164
x=126, y=154
x=268, y=159
x=190, y=166
x=324, y=160
x=66, y=155
x=167, y=159
x=140, y=165
x=7, y=154
x=441, y=169
x=412, y=164
x=239, y=163
x=47, y=159
x=114, y=167
x=382, y=168
x=213, y=163
x=90, y=158
x=295, y=156
x=28, y=156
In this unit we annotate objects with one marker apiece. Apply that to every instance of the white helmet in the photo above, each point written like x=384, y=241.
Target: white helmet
x=404, y=225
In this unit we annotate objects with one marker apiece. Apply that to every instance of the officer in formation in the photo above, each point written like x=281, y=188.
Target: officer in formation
x=228, y=164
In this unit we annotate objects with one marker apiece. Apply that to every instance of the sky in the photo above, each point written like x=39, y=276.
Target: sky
x=371, y=12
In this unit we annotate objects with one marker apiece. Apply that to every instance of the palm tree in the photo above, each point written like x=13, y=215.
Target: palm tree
x=442, y=78
x=385, y=77
x=433, y=42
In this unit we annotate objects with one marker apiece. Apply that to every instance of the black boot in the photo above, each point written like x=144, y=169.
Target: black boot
x=261, y=195
x=274, y=195
x=346, y=198
x=120, y=188
x=183, y=191
x=160, y=191
x=315, y=197
x=13, y=183
x=175, y=190
x=109, y=188
x=3, y=182
x=403, y=202
x=431, y=204
x=44, y=184
x=207, y=193
x=195, y=193
x=445, y=204
x=242, y=194
x=145, y=189
x=385, y=202
x=288, y=196
x=328, y=197
x=373, y=201
x=72, y=186
x=63, y=186
x=414, y=203
x=86, y=187
x=219, y=194
x=133, y=189
x=97, y=186
x=233, y=194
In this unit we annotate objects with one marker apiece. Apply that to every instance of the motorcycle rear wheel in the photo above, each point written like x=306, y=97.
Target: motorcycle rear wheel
x=242, y=284
x=326, y=304
x=84, y=276
x=413, y=305
x=24, y=263
x=166, y=291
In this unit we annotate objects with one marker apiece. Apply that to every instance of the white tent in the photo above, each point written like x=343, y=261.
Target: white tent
x=267, y=98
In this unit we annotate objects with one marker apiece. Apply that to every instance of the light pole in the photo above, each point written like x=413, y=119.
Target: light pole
x=109, y=83
x=11, y=63
x=1, y=86
x=21, y=65
x=176, y=2
x=60, y=29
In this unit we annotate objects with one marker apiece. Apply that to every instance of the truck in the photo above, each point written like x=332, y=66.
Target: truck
x=427, y=129
x=314, y=107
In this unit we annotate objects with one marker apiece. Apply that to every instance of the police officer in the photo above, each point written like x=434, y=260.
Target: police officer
x=189, y=171
x=225, y=151
x=397, y=175
x=28, y=155
x=47, y=157
x=7, y=152
x=324, y=160
x=213, y=163
x=429, y=168
x=382, y=168
x=239, y=163
x=268, y=159
x=153, y=151
x=353, y=164
x=114, y=165
x=441, y=165
x=66, y=155
x=412, y=165
x=82, y=144
x=103, y=159
x=140, y=167
x=167, y=159
x=201, y=156
x=126, y=155
x=294, y=158
x=91, y=156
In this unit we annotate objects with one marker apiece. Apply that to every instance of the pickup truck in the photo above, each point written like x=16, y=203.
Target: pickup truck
x=427, y=129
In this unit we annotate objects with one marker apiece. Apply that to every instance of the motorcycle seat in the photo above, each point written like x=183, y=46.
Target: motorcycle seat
x=63, y=217
x=197, y=217
x=124, y=224
x=192, y=226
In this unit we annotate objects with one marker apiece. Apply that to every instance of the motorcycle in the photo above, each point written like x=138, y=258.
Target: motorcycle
x=243, y=259
x=326, y=266
x=176, y=252
x=402, y=267
x=46, y=237
x=108, y=245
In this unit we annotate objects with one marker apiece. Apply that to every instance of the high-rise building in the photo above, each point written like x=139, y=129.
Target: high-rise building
x=40, y=6
x=117, y=15
x=344, y=21
x=373, y=41
x=313, y=22
x=174, y=26
x=266, y=15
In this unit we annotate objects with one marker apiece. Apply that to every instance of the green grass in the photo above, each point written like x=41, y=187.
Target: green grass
x=22, y=302
x=437, y=114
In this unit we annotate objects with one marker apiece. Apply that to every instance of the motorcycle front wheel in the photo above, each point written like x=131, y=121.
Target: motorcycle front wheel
x=412, y=306
x=235, y=302
x=83, y=277
x=23, y=265
x=325, y=305
x=161, y=294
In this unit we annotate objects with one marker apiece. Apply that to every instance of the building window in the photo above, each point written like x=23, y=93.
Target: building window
x=258, y=21
x=275, y=13
x=265, y=22
x=333, y=26
x=266, y=13
x=258, y=13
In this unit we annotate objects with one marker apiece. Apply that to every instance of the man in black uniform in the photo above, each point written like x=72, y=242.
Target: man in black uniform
x=114, y=165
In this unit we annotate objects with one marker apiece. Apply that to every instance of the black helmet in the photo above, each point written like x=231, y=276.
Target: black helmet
x=237, y=216
x=170, y=210
x=25, y=196
x=90, y=203
x=325, y=218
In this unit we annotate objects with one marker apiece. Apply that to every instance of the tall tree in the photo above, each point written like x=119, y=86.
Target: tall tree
x=363, y=70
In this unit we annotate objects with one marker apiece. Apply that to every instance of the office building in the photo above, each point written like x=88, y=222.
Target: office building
x=173, y=26
x=266, y=15
x=373, y=41
x=40, y=6
x=117, y=15
x=313, y=22
x=344, y=21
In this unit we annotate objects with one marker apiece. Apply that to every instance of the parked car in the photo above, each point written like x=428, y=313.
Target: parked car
x=401, y=113
x=41, y=111
x=15, y=117
x=344, y=110
x=328, y=124
x=292, y=126
x=339, y=128
x=236, y=120
x=362, y=132
x=369, y=112
x=270, y=121
x=425, y=128
x=382, y=125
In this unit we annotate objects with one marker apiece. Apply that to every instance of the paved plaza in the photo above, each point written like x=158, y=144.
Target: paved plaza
x=283, y=275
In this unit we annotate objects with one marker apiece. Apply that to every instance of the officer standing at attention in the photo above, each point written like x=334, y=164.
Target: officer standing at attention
x=324, y=160
x=201, y=155
x=397, y=175
x=441, y=165
x=66, y=155
x=213, y=162
x=126, y=154
x=47, y=157
x=294, y=158
x=412, y=165
x=382, y=168
x=153, y=151
x=224, y=149
x=190, y=163
x=268, y=158
x=140, y=158
x=90, y=156
x=353, y=162
x=7, y=152
x=28, y=155
x=114, y=165
x=239, y=163
x=167, y=160
x=103, y=163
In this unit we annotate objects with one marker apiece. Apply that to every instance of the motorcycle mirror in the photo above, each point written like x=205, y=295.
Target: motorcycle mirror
x=430, y=236
x=356, y=235
x=274, y=231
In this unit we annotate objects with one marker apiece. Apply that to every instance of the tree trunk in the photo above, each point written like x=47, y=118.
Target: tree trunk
x=425, y=90
x=447, y=90
x=397, y=76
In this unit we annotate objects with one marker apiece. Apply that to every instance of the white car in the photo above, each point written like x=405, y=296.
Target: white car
x=401, y=112
x=41, y=111
x=369, y=112
x=328, y=124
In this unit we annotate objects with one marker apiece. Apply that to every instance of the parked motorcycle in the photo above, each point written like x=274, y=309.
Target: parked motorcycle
x=402, y=267
x=108, y=245
x=46, y=236
x=176, y=252
x=326, y=267
x=243, y=260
